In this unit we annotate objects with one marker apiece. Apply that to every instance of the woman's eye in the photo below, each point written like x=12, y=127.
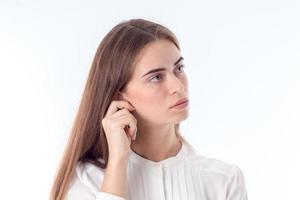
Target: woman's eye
x=181, y=67
x=155, y=78
x=158, y=77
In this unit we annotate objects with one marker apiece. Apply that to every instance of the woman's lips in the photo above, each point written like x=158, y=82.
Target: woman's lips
x=181, y=103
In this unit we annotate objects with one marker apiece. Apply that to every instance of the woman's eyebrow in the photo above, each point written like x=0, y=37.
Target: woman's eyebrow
x=162, y=69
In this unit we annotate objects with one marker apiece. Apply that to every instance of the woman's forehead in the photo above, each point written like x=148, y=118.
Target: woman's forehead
x=157, y=54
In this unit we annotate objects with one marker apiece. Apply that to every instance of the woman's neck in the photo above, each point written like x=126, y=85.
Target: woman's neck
x=157, y=143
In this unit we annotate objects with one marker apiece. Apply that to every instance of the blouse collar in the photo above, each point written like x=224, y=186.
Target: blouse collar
x=183, y=153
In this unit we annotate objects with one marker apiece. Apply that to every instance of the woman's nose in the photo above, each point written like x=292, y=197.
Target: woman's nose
x=176, y=85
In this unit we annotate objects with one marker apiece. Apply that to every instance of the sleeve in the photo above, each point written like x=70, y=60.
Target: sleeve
x=81, y=191
x=235, y=186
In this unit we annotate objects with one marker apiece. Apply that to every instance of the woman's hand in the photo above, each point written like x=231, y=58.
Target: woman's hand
x=120, y=128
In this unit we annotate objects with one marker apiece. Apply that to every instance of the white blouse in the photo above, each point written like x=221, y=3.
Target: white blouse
x=186, y=176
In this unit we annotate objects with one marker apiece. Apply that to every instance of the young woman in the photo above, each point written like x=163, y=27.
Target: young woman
x=125, y=142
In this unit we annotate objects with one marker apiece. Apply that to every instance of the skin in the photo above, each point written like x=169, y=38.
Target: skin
x=152, y=96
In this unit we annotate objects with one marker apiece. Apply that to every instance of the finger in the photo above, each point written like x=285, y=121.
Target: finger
x=120, y=113
x=133, y=127
x=129, y=125
x=119, y=119
x=135, y=132
x=123, y=113
x=122, y=119
x=119, y=104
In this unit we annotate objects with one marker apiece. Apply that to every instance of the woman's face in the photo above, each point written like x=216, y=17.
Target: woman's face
x=153, y=93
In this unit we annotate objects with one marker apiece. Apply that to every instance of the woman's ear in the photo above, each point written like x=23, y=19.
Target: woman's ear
x=121, y=96
x=118, y=96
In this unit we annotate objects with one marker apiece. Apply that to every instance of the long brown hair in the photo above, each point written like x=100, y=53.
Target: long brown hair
x=111, y=69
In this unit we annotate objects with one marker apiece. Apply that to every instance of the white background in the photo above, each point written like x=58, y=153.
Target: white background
x=243, y=65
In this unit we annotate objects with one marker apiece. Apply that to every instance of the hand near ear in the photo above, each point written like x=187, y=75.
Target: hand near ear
x=120, y=128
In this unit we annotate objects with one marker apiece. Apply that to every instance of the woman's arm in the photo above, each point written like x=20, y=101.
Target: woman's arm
x=83, y=185
x=115, y=178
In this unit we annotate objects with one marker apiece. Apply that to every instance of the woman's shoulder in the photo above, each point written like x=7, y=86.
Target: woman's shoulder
x=88, y=167
x=205, y=163
x=89, y=173
x=86, y=180
x=218, y=174
x=211, y=164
